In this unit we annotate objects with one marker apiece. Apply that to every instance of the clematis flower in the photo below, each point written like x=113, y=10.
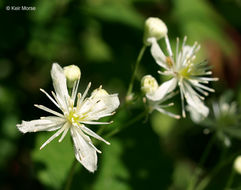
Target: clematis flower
x=156, y=97
x=73, y=116
x=191, y=77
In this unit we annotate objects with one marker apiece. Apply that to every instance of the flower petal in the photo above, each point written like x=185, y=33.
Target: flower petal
x=194, y=101
x=97, y=108
x=163, y=90
x=93, y=134
x=44, y=124
x=157, y=53
x=85, y=153
x=59, y=83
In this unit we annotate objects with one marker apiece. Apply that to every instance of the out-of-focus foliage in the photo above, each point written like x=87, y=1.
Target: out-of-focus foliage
x=103, y=37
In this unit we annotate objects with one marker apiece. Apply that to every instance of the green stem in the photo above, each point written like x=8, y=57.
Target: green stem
x=230, y=180
x=71, y=175
x=202, y=185
x=134, y=120
x=129, y=92
x=201, y=163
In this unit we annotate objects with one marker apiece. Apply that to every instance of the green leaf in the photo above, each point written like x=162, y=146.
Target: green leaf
x=233, y=131
x=56, y=158
x=114, y=11
x=112, y=172
x=200, y=22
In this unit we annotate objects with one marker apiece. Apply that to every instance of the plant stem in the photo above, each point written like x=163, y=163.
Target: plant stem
x=71, y=174
x=201, y=163
x=230, y=180
x=129, y=92
x=205, y=181
x=135, y=119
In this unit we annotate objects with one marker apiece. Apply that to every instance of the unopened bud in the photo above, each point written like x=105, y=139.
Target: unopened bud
x=99, y=92
x=237, y=164
x=149, y=84
x=72, y=73
x=154, y=28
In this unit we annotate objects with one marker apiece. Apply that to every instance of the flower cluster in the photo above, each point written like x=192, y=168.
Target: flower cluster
x=191, y=77
x=76, y=111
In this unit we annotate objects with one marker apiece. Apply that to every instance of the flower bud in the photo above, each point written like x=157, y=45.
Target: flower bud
x=72, y=73
x=149, y=84
x=154, y=28
x=99, y=92
x=237, y=164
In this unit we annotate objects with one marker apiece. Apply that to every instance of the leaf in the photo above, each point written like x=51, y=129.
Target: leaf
x=233, y=131
x=116, y=12
x=200, y=22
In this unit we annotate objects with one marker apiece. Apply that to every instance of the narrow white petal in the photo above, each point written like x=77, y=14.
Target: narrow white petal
x=59, y=83
x=169, y=49
x=40, y=125
x=194, y=101
x=167, y=113
x=96, y=122
x=182, y=100
x=157, y=53
x=49, y=110
x=75, y=90
x=54, y=136
x=68, y=125
x=81, y=98
x=42, y=90
x=84, y=152
x=93, y=134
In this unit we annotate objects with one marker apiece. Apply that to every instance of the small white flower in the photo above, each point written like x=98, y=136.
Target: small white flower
x=154, y=28
x=191, y=77
x=74, y=116
x=155, y=95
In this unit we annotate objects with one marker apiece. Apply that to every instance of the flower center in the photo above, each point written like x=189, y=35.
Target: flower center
x=74, y=117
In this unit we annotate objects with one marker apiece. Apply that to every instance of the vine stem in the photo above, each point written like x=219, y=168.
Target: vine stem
x=201, y=163
x=140, y=55
x=230, y=180
x=71, y=174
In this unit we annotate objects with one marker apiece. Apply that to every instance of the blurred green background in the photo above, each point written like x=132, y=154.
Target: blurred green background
x=103, y=37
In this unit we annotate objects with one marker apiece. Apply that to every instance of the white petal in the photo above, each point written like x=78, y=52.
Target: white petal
x=93, y=134
x=99, y=107
x=46, y=124
x=59, y=83
x=157, y=53
x=66, y=125
x=163, y=90
x=194, y=101
x=84, y=152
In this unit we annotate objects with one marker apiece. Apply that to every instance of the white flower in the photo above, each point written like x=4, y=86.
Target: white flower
x=154, y=28
x=74, y=116
x=191, y=77
x=155, y=95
